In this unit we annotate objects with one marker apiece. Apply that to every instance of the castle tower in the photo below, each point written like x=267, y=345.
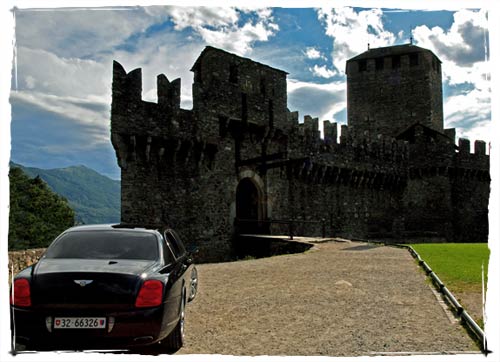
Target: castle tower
x=390, y=89
x=229, y=87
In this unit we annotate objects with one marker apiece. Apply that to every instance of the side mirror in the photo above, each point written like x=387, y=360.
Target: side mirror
x=192, y=250
x=191, y=253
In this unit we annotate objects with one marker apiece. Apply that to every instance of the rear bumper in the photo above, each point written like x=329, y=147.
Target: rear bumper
x=130, y=328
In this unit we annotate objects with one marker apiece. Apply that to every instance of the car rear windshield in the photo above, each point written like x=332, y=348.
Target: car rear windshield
x=105, y=245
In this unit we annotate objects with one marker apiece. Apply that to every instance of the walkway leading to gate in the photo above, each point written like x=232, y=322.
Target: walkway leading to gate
x=337, y=299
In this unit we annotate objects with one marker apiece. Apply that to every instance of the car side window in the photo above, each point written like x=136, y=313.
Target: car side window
x=175, y=243
x=179, y=241
x=168, y=256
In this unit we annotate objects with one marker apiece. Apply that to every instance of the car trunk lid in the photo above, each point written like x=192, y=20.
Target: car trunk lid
x=87, y=282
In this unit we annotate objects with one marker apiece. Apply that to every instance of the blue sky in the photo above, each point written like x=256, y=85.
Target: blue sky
x=61, y=82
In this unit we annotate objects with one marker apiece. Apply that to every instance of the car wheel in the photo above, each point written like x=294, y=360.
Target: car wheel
x=194, y=285
x=175, y=340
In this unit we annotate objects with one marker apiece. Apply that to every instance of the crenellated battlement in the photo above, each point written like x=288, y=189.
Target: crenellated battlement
x=126, y=87
x=169, y=94
x=132, y=116
x=464, y=148
x=471, y=165
x=380, y=150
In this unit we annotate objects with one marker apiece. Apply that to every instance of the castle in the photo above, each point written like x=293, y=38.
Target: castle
x=240, y=160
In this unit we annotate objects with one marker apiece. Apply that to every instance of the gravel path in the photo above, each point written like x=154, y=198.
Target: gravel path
x=338, y=299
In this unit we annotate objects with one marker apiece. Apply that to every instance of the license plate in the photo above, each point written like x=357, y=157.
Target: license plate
x=79, y=323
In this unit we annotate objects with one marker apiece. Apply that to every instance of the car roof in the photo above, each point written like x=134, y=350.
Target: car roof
x=111, y=227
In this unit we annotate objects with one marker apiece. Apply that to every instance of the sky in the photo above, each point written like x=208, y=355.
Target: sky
x=61, y=77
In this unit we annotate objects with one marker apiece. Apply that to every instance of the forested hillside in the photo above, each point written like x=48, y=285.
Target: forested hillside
x=94, y=198
x=36, y=214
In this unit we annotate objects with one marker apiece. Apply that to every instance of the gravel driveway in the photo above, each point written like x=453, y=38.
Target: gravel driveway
x=337, y=299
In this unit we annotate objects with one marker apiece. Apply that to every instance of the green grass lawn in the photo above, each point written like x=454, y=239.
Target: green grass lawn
x=457, y=265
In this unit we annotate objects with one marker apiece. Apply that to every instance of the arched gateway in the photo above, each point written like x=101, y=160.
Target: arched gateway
x=250, y=207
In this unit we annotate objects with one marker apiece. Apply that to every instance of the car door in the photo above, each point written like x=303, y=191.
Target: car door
x=180, y=255
x=176, y=243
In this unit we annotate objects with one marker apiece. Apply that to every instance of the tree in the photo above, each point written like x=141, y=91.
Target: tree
x=37, y=215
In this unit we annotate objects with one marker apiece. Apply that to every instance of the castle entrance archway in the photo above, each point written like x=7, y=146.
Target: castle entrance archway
x=249, y=207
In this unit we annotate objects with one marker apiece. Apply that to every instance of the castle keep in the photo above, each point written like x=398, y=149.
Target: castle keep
x=240, y=158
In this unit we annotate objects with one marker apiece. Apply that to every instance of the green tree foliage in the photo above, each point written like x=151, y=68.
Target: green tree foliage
x=37, y=215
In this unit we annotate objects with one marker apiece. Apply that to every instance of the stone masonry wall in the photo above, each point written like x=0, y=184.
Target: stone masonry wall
x=19, y=260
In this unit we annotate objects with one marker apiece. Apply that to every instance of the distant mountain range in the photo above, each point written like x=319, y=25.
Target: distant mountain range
x=94, y=198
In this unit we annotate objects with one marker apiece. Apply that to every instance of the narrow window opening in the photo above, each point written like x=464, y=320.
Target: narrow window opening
x=413, y=59
x=396, y=62
x=362, y=65
x=271, y=114
x=244, y=107
x=233, y=73
x=379, y=63
x=263, y=86
x=223, y=126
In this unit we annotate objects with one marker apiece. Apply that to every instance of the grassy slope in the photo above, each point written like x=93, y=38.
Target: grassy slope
x=457, y=265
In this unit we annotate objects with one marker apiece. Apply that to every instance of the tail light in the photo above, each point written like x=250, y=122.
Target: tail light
x=22, y=293
x=150, y=294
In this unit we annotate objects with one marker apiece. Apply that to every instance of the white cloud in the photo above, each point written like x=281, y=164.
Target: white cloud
x=86, y=33
x=90, y=112
x=470, y=114
x=45, y=72
x=352, y=32
x=322, y=71
x=478, y=74
x=317, y=100
x=220, y=26
x=463, y=49
x=337, y=86
x=463, y=44
x=235, y=39
x=30, y=82
x=80, y=32
x=313, y=53
x=201, y=17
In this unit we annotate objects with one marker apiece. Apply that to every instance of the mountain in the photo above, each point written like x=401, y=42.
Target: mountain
x=94, y=198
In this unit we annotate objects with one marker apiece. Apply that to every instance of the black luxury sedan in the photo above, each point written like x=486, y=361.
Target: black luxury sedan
x=105, y=287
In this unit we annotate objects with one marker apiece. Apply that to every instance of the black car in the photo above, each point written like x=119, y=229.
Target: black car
x=105, y=287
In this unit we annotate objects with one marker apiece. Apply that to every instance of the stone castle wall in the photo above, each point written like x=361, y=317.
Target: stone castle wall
x=241, y=154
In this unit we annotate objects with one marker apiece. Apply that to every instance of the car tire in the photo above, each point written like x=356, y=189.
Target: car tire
x=193, y=285
x=175, y=340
